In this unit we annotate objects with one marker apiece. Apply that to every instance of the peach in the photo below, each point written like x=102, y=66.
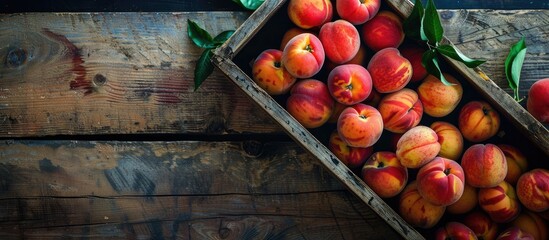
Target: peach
x=310, y=103
x=352, y=157
x=359, y=59
x=516, y=163
x=357, y=12
x=303, y=56
x=481, y=224
x=414, y=54
x=310, y=13
x=360, y=125
x=384, y=30
x=401, y=110
x=390, y=71
x=340, y=40
x=450, y=139
x=384, y=174
x=417, y=147
x=269, y=74
x=531, y=223
x=441, y=181
x=291, y=33
x=439, y=99
x=349, y=84
x=417, y=211
x=499, y=202
x=484, y=165
x=514, y=233
x=478, y=121
x=454, y=230
x=533, y=189
x=467, y=201
x=538, y=100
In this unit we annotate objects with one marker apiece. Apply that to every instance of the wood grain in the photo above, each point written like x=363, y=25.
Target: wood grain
x=175, y=190
x=128, y=73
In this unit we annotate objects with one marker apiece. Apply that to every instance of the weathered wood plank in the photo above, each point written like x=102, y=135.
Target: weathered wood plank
x=120, y=73
x=177, y=189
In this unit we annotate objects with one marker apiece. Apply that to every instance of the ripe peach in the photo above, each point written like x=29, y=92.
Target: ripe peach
x=311, y=13
x=401, y=110
x=514, y=233
x=390, y=71
x=383, y=30
x=500, y=202
x=340, y=40
x=269, y=73
x=417, y=147
x=538, y=100
x=303, y=56
x=438, y=99
x=291, y=33
x=481, y=225
x=414, y=54
x=352, y=157
x=384, y=174
x=516, y=163
x=467, y=201
x=349, y=84
x=454, y=230
x=417, y=211
x=357, y=12
x=310, y=103
x=478, y=121
x=441, y=181
x=484, y=165
x=450, y=139
x=360, y=125
x=531, y=223
x=533, y=189
x=359, y=59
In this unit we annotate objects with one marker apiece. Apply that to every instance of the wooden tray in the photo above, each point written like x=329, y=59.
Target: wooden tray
x=253, y=36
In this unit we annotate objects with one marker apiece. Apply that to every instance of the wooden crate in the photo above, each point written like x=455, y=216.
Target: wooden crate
x=267, y=25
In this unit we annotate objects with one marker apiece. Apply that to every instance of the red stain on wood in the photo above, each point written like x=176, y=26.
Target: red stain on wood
x=79, y=82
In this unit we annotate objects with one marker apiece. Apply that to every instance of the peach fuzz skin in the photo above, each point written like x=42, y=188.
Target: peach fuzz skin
x=516, y=162
x=384, y=30
x=450, y=139
x=441, y=181
x=478, y=121
x=484, y=165
x=438, y=99
x=467, y=201
x=384, y=174
x=417, y=147
x=401, y=110
x=417, y=211
x=454, y=230
x=357, y=12
x=340, y=40
x=270, y=75
x=531, y=223
x=390, y=71
x=349, y=84
x=352, y=157
x=303, y=56
x=481, y=224
x=538, y=100
x=291, y=33
x=310, y=103
x=414, y=53
x=533, y=190
x=360, y=125
x=499, y=202
x=311, y=13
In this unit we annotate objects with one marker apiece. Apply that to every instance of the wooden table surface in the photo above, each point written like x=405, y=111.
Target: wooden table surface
x=102, y=135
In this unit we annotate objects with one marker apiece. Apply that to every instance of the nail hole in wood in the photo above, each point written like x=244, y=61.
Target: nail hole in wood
x=99, y=79
x=16, y=57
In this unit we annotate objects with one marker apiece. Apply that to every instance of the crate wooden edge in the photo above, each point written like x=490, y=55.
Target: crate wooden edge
x=222, y=58
x=496, y=96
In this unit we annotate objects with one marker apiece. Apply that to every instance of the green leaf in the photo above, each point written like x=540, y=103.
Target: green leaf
x=412, y=23
x=430, y=62
x=431, y=28
x=203, y=68
x=222, y=37
x=199, y=36
x=509, y=62
x=249, y=4
x=452, y=52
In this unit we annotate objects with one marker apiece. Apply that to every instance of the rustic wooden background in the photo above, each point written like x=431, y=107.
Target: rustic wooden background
x=102, y=134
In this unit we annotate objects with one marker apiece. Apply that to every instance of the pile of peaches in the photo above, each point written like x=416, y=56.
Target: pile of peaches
x=488, y=185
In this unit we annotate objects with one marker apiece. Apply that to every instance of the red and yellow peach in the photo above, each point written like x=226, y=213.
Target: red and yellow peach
x=310, y=103
x=484, y=165
x=270, y=75
x=439, y=99
x=349, y=84
x=417, y=147
x=401, y=110
x=390, y=71
x=384, y=174
x=360, y=125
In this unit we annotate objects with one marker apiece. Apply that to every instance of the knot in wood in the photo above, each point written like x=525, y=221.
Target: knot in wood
x=99, y=79
x=253, y=148
x=16, y=57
